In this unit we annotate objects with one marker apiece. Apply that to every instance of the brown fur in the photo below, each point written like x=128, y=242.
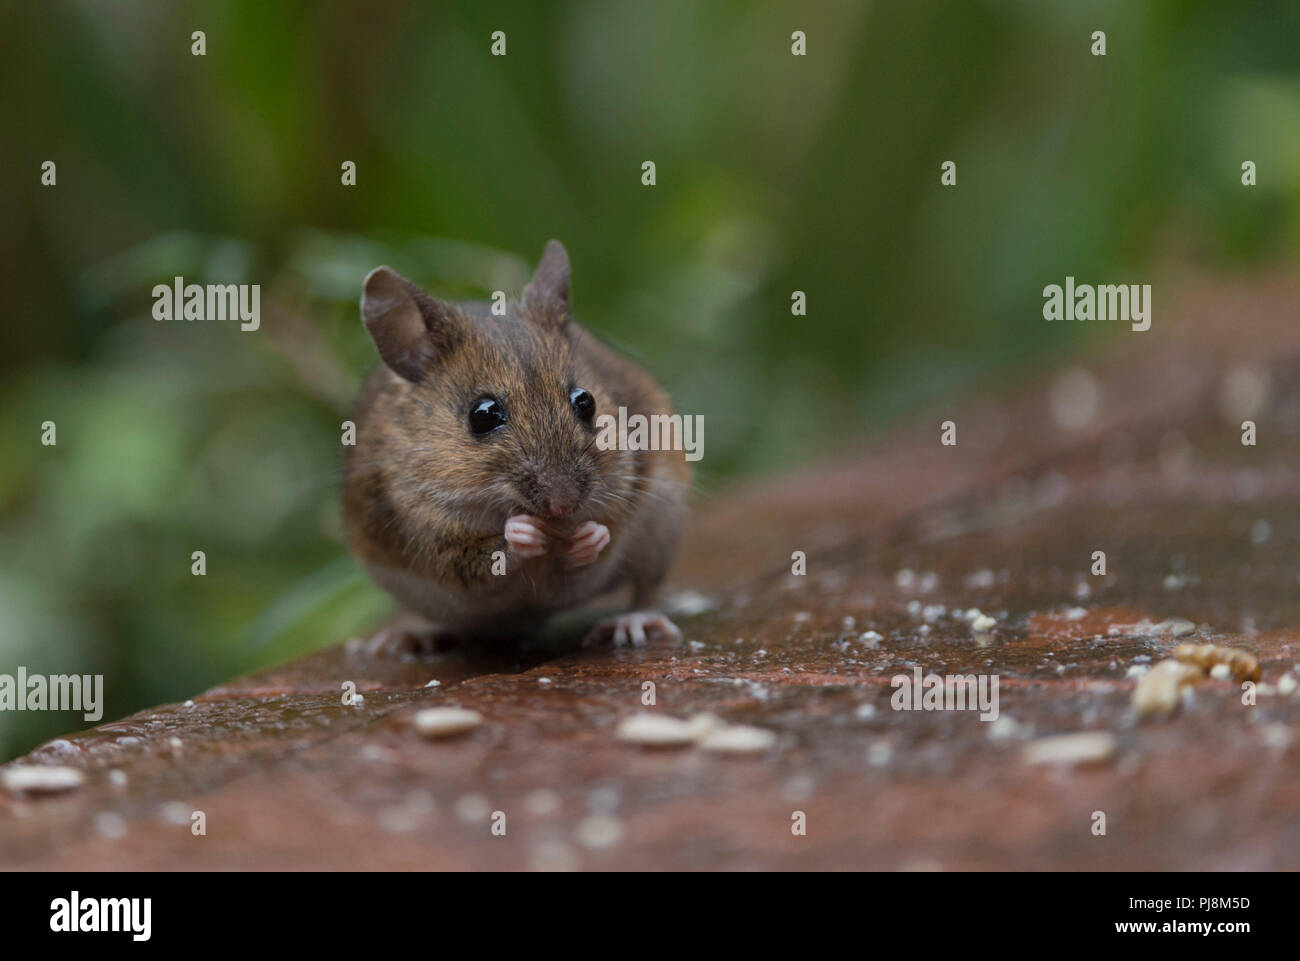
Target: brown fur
x=425, y=500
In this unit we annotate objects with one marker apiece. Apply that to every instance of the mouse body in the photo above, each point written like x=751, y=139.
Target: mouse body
x=476, y=492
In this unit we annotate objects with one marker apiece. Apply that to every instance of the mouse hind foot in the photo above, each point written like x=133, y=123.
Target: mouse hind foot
x=406, y=640
x=634, y=627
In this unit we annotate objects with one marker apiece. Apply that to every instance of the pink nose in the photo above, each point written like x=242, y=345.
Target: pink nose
x=559, y=494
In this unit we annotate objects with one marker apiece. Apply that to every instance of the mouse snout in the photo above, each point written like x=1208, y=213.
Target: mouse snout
x=556, y=494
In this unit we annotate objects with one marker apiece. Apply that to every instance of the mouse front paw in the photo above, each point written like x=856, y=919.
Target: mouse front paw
x=634, y=627
x=525, y=536
x=586, y=543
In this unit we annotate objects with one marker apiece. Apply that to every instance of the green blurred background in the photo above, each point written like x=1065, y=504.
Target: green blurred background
x=775, y=173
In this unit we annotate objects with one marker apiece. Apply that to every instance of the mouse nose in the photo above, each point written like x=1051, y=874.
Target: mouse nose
x=558, y=494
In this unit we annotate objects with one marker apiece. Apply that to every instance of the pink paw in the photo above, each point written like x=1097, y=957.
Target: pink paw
x=586, y=543
x=632, y=627
x=525, y=536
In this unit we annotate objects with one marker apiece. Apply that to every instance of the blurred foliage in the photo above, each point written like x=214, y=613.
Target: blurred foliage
x=775, y=173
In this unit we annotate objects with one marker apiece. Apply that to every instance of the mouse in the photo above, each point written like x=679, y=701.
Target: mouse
x=476, y=492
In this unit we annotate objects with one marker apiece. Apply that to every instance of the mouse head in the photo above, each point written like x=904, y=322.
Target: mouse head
x=492, y=414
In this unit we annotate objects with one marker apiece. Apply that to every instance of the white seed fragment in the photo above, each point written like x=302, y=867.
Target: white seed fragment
x=434, y=683
x=41, y=779
x=702, y=725
x=880, y=754
x=983, y=624
x=1004, y=728
x=542, y=802
x=445, y=721
x=690, y=603
x=1277, y=736
x=1082, y=748
x=1160, y=689
x=472, y=807
x=1286, y=685
x=176, y=812
x=654, y=730
x=599, y=831
x=110, y=825
x=1220, y=672
x=739, y=739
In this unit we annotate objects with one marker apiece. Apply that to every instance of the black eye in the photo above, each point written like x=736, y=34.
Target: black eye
x=584, y=405
x=486, y=415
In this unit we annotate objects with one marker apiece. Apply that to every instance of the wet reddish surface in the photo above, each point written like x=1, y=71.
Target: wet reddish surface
x=900, y=541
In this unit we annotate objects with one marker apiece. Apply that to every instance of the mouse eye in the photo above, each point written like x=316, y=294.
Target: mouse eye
x=486, y=415
x=584, y=405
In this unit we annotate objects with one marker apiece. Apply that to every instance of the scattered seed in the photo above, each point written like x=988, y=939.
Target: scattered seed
x=472, y=807
x=446, y=721
x=655, y=730
x=739, y=739
x=690, y=603
x=1004, y=728
x=1286, y=685
x=542, y=802
x=983, y=624
x=702, y=725
x=41, y=779
x=1083, y=748
x=1242, y=664
x=110, y=825
x=176, y=812
x=1159, y=690
x=880, y=754
x=434, y=683
x=599, y=831
x=1276, y=736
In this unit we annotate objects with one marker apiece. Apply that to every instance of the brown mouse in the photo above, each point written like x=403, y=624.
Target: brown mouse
x=476, y=493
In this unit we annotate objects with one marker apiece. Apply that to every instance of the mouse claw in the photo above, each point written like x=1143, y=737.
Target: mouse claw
x=586, y=543
x=634, y=627
x=525, y=536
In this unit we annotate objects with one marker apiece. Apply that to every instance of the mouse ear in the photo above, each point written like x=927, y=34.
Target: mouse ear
x=548, y=291
x=409, y=328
